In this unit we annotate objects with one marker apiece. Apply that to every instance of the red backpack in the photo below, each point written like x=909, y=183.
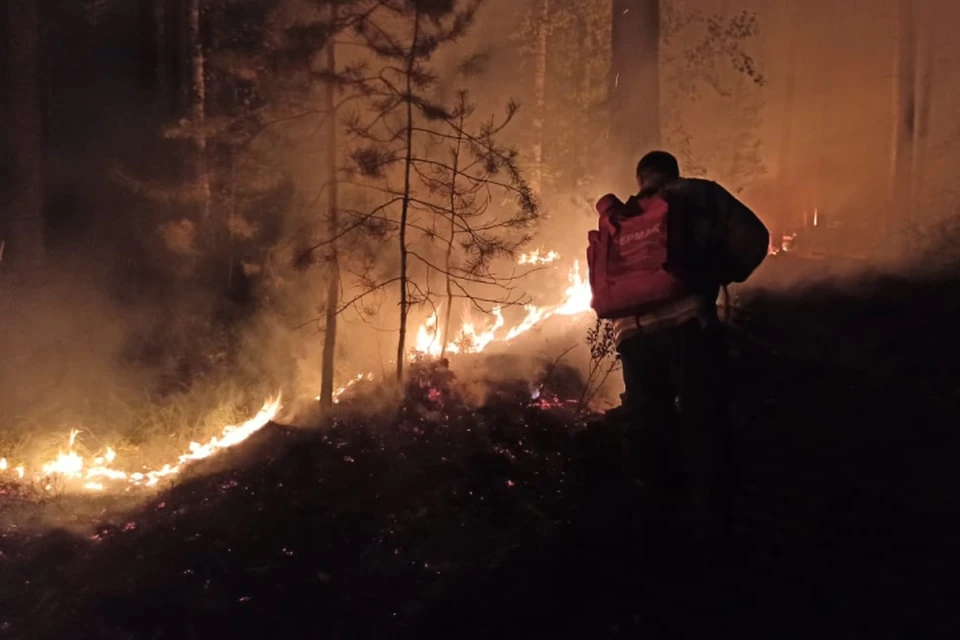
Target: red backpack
x=626, y=256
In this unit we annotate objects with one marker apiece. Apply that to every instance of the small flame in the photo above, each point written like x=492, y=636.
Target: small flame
x=428, y=336
x=341, y=390
x=536, y=257
x=816, y=216
x=786, y=242
x=469, y=340
x=66, y=464
x=577, y=295
x=534, y=315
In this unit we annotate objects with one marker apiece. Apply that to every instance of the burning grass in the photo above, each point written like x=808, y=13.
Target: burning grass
x=117, y=445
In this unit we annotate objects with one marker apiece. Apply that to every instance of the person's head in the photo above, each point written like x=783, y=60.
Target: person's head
x=656, y=169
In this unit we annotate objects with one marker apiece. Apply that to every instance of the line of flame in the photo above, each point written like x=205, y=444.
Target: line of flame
x=536, y=257
x=429, y=341
x=73, y=469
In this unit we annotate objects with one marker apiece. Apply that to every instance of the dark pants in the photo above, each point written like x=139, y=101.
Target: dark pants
x=679, y=440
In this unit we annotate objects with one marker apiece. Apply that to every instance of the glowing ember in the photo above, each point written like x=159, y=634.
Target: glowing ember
x=535, y=257
x=786, y=242
x=71, y=468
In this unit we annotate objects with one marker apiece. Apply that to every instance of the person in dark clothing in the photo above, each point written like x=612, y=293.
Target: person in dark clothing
x=676, y=396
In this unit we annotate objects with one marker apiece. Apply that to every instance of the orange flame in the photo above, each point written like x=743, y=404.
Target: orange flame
x=95, y=474
x=341, y=390
x=536, y=257
x=469, y=339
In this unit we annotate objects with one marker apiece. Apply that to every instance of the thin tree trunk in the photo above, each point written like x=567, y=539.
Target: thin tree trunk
x=26, y=249
x=198, y=111
x=635, y=96
x=178, y=56
x=231, y=217
x=921, y=90
x=405, y=204
x=448, y=264
x=145, y=19
x=333, y=224
x=540, y=94
x=160, y=44
x=784, y=177
x=827, y=76
x=904, y=113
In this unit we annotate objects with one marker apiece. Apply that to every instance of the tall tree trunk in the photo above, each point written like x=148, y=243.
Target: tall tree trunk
x=448, y=261
x=178, y=55
x=405, y=203
x=147, y=27
x=826, y=88
x=904, y=114
x=160, y=44
x=784, y=178
x=198, y=110
x=26, y=248
x=921, y=112
x=540, y=93
x=635, y=103
x=333, y=224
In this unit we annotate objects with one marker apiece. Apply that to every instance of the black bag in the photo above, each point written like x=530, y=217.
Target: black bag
x=715, y=239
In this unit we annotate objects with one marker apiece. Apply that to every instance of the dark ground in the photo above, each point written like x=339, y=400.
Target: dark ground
x=501, y=523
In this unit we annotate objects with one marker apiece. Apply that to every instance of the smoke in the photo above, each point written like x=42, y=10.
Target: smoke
x=103, y=348
x=61, y=344
x=145, y=373
x=63, y=349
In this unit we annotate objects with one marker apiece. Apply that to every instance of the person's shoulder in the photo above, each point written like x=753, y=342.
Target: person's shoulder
x=697, y=193
x=632, y=207
x=687, y=185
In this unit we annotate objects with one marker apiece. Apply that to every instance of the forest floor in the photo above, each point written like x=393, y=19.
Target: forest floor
x=504, y=522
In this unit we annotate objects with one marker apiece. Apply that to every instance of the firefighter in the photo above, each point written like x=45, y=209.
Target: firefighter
x=674, y=361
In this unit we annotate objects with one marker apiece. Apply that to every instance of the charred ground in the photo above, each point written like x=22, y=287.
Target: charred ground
x=509, y=521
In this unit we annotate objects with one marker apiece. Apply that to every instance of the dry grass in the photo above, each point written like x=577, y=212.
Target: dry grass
x=143, y=430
